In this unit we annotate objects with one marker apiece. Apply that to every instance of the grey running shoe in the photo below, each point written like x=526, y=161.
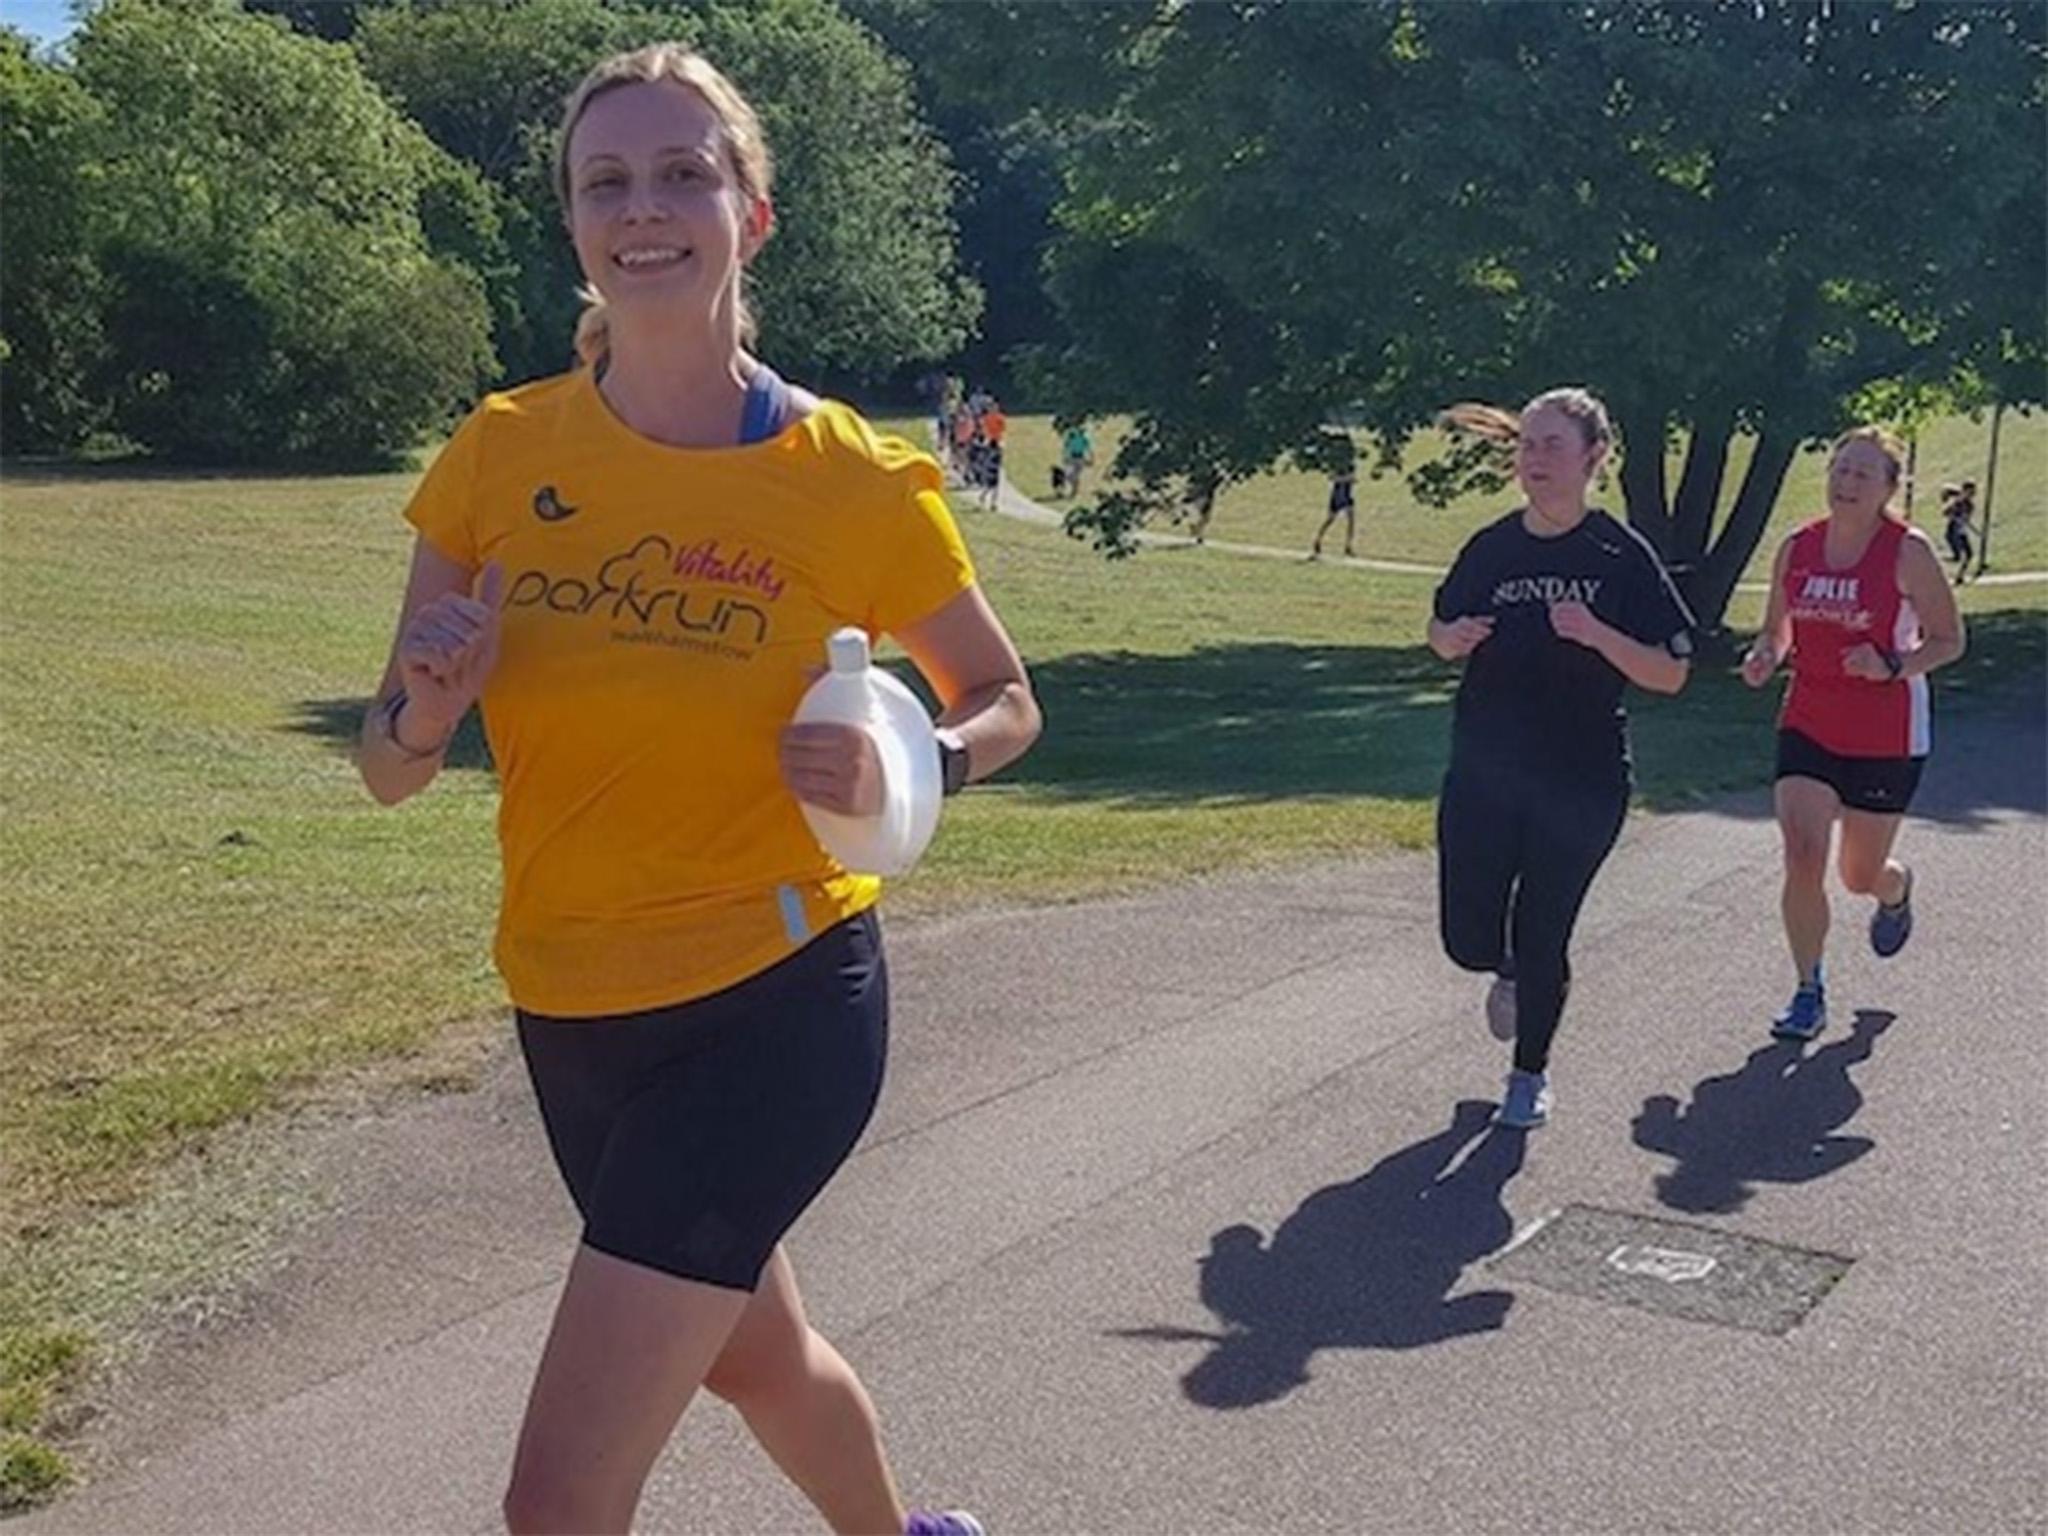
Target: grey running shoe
x=1527, y=1104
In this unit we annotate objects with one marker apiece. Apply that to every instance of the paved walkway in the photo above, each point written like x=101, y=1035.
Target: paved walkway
x=1180, y=1215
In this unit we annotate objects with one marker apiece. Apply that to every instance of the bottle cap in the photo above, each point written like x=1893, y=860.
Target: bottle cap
x=848, y=650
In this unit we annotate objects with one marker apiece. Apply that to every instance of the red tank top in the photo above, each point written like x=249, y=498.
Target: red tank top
x=1834, y=611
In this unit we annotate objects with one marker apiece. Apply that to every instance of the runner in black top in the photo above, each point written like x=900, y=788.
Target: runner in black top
x=1554, y=608
x=1958, y=507
x=1344, y=504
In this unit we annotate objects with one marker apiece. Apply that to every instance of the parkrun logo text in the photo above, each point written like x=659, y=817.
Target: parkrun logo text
x=641, y=586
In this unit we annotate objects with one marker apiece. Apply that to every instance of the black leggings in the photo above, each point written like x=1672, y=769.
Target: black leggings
x=1515, y=858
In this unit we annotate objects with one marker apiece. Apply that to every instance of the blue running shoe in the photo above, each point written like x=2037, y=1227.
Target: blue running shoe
x=1806, y=1015
x=1890, y=927
x=1527, y=1103
x=942, y=1522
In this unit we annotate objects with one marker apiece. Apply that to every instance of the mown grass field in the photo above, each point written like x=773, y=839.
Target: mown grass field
x=206, y=918
x=1284, y=509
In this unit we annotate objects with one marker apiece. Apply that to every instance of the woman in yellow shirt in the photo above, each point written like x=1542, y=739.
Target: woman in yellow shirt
x=633, y=567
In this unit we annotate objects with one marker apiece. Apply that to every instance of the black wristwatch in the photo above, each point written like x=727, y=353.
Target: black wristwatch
x=1894, y=663
x=952, y=762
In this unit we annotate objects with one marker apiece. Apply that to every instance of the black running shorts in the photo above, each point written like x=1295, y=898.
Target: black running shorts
x=1883, y=785
x=692, y=1137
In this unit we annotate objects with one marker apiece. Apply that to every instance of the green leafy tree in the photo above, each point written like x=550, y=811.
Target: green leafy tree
x=486, y=82
x=862, y=275
x=991, y=78
x=256, y=206
x=51, y=288
x=334, y=20
x=1697, y=209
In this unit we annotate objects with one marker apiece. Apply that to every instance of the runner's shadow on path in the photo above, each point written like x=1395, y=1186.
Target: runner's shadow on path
x=1364, y=1265
x=1771, y=1122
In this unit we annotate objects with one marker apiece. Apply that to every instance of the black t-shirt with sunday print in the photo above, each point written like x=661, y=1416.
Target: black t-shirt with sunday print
x=1550, y=702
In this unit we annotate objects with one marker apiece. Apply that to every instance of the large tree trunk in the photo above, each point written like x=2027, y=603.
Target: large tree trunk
x=1642, y=472
x=1714, y=582
x=1990, y=481
x=1699, y=487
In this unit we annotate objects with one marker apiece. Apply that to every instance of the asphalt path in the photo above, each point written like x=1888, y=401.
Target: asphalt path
x=1181, y=1214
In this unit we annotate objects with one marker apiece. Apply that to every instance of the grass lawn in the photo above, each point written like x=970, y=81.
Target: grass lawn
x=1285, y=508
x=207, y=918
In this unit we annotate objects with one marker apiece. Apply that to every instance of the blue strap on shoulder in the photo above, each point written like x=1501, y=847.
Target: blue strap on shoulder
x=768, y=406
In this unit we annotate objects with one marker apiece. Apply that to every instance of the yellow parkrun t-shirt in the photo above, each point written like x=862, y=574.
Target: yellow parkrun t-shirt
x=664, y=611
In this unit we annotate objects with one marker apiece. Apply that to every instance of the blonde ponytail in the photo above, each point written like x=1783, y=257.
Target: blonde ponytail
x=593, y=330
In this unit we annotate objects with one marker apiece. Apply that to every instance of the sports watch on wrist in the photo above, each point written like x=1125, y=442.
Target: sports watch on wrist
x=390, y=714
x=952, y=762
x=1894, y=663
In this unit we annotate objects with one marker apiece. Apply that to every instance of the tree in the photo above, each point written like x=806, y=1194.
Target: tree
x=51, y=288
x=334, y=20
x=863, y=274
x=1693, y=208
x=256, y=206
x=486, y=82
x=1001, y=119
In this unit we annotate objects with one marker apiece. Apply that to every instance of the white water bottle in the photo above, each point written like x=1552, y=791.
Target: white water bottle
x=855, y=692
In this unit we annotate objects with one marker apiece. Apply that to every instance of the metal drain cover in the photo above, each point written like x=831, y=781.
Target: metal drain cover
x=1693, y=1272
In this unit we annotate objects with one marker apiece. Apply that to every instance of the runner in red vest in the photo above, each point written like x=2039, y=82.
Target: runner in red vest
x=1860, y=606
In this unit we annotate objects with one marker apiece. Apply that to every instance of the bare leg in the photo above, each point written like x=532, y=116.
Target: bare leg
x=808, y=1409
x=628, y=1350
x=1868, y=867
x=1806, y=819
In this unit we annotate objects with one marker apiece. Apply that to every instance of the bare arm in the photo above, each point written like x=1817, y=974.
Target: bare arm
x=1455, y=639
x=985, y=700
x=1647, y=666
x=1926, y=586
x=984, y=692
x=1773, y=642
x=444, y=647
x=1941, y=625
x=1777, y=613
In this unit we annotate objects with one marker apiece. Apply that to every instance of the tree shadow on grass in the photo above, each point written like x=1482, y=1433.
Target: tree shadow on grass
x=1246, y=722
x=1267, y=721
x=1271, y=721
x=31, y=472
